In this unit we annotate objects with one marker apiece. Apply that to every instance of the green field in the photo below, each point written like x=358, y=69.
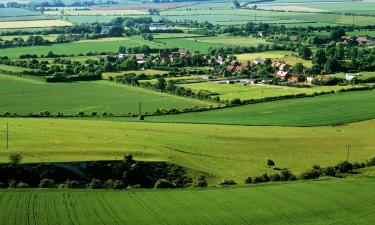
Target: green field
x=315, y=111
x=190, y=44
x=223, y=151
x=101, y=45
x=23, y=96
x=285, y=56
x=232, y=91
x=345, y=201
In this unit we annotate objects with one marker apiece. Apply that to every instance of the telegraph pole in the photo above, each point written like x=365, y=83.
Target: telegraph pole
x=347, y=152
x=7, y=135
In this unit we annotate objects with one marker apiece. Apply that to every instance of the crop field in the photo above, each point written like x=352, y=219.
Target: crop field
x=33, y=23
x=192, y=45
x=246, y=15
x=223, y=151
x=231, y=40
x=73, y=12
x=89, y=19
x=232, y=91
x=314, y=111
x=264, y=55
x=175, y=35
x=101, y=45
x=23, y=96
x=289, y=203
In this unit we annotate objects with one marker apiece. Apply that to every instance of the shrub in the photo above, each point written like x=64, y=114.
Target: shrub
x=270, y=163
x=22, y=185
x=15, y=158
x=47, y=183
x=95, y=184
x=118, y=184
x=275, y=177
x=228, y=182
x=248, y=180
x=371, y=162
x=12, y=184
x=235, y=101
x=200, y=181
x=329, y=171
x=344, y=167
x=311, y=174
x=164, y=183
x=286, y=175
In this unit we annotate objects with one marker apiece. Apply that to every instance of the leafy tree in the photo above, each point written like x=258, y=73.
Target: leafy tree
x=331, y=65
x=305, y=52
x=200, y=181
x=337, y=34
x=116, y=31
x=236, y=4
x=270, y=163
x=47, y=183
x=161, y=84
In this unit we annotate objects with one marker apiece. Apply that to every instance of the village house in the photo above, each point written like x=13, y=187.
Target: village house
x=361, y=40
x=258, y=61
x=293, y=79
x=282, y=75
x=293, y=37
x=310, y=79
x=279, y=65
x=158, y=26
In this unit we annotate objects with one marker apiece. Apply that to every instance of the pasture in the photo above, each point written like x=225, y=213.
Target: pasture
x=79, y=47
x=33, y=24
x=148, y=72
x=268, y=54
x=23, y=96
x=223, y=151
x=319, y=202
x=232, y=91
x=313, y=111
x=191, y=44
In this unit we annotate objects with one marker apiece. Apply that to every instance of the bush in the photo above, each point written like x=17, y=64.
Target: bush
x=275, y=177
x=95, y=184
x=329, y=171
x=200, y=181
x=118, y=184
x=228, y=182
x=344, y=167
x=22, y=185
x=164, y=183
x=311, y=174
x=235, y=101
x=15, y=158
x=47, y=183
x=286, y=175
x=248, y=180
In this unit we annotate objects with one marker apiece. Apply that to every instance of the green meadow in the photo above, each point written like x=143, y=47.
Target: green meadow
x=23, y=96
x=245, y=92
x=221, y=151
x=79, y=47
x=313, y=111
x=342, y=201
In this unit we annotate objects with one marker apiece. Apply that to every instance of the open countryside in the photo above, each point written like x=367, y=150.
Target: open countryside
x=187, y=112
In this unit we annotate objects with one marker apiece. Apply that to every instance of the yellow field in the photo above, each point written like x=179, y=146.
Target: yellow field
x=33, y=24
x=95, y=12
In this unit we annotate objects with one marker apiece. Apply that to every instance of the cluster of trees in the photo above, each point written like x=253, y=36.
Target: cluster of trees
x=126, y=173
x=20, y=42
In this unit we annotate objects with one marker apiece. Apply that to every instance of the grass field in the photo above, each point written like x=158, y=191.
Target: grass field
x=284, y=56
x=224, y=151
x=315, y=111
x=345, y=201
x=101, y=45
x=232, y=91
x=20, y=95
x=33, y=23
x=190, y=44
x=73, y=12
x=231, y=40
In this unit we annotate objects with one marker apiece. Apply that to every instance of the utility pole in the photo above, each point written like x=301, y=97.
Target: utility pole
x=347, y=152
x=7, y=136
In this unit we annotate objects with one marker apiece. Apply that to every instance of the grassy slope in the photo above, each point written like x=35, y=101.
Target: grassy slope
x=346, y=201
x=231, y=152
x=316, y=111
x=75, y=48
x=24, y=96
